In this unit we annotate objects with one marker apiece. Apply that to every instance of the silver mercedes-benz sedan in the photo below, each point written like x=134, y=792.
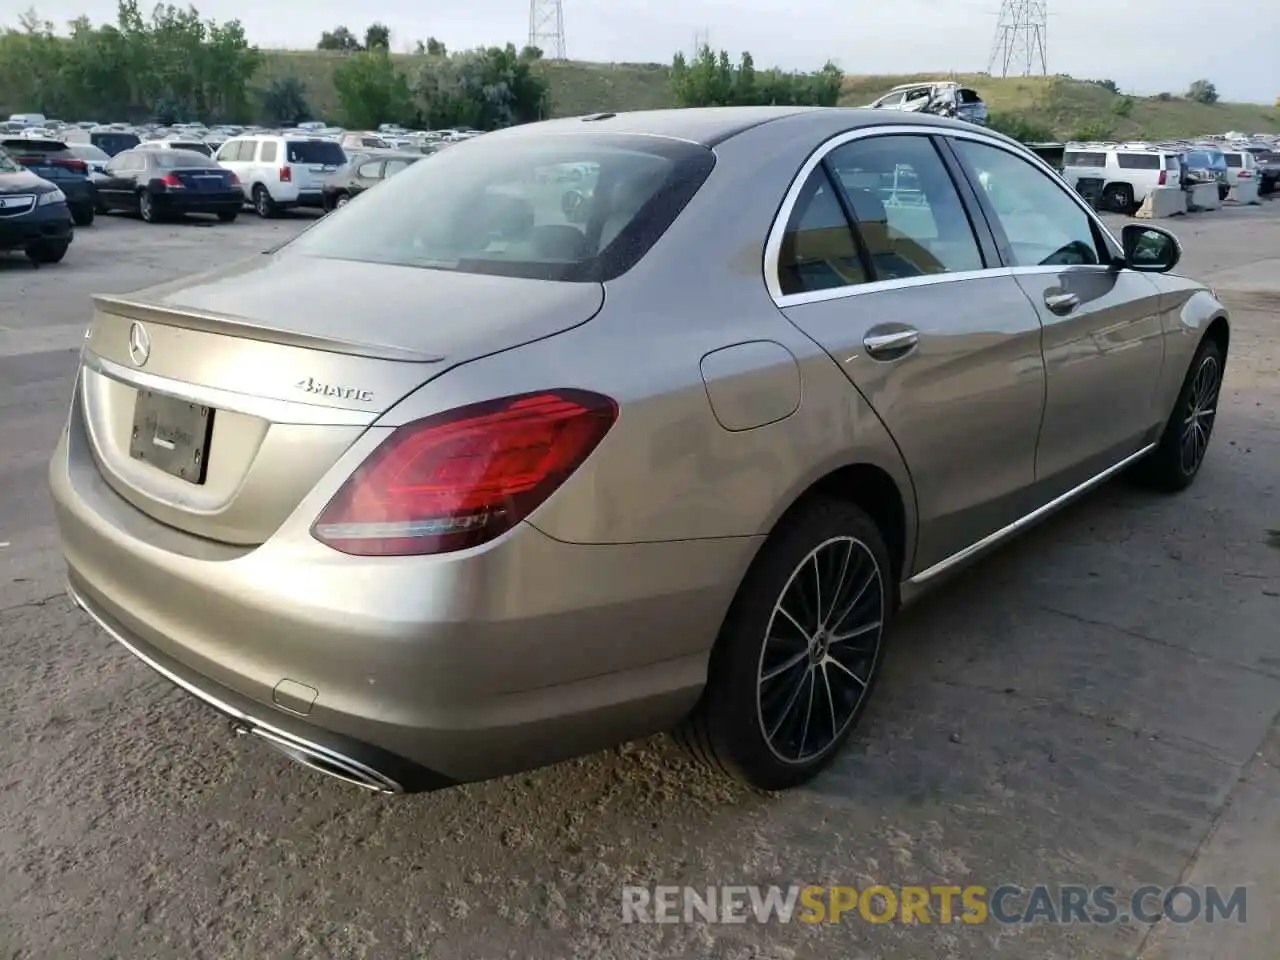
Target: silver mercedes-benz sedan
x=457, y=483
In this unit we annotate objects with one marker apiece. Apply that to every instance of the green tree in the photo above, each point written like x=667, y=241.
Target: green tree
x=711, y=79
x=377, y=37
x=435, y=48
x=1020, y=128
x=340, y=39
x=485, y=89
x=373, y=91
x=285, y=101
x=1202, y=91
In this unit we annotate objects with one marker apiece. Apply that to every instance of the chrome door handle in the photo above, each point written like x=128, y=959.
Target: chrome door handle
x=887, y=345
x=1061, y=302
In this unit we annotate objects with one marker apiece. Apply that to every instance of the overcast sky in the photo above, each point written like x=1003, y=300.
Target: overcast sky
x=1144, y=45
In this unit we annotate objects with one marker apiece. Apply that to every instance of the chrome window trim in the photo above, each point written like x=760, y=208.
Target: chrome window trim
x=773, y=244
x=265, y=408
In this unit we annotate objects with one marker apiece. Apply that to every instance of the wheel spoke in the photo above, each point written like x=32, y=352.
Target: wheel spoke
x=840, y=666
x=789, y=664
x=831, y=700
x=790, y=705
x=861, y=631
x=871, y=577
x=794, y=622
x=838, y=590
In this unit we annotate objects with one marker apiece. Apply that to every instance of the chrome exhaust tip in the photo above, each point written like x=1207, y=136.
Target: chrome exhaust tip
x=322, y=760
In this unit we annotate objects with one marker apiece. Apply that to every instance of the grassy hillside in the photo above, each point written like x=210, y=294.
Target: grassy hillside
x=1062, y=106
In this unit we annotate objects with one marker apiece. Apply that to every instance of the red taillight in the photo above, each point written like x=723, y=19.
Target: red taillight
x=1164, y=178
x=171, y=180
x=1244, y=175
x=78, y=166
x=235, y=181
x=462, y=478
x=286, y=175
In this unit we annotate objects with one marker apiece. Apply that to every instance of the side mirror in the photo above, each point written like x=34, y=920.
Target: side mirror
x=1150, y=249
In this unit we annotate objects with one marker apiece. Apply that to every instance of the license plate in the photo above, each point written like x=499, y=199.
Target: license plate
x=172, y=435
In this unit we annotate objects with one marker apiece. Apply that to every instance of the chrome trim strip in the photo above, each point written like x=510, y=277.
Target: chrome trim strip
x=774, y=242
x=267, y=731
x=232, y=326
x=942, y=566
x=879, y=286
x=275, y=411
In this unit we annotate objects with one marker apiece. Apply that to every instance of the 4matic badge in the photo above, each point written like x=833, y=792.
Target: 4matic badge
x=311, y=385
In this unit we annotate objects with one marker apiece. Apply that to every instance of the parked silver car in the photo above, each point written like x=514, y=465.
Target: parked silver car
x=452, y=484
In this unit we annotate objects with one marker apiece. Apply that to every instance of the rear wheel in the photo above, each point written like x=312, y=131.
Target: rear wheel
x=147, y=208
x=263, y=205
x=797, y=657
x=342, y=201
x=1118, y=197
x=47, y=251
x=1176, y=461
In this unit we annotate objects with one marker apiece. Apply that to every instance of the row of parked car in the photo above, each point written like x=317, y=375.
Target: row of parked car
x=1118, y=176
x=49, y=186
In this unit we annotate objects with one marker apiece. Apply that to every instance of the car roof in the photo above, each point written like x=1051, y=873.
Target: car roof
x=709, y=126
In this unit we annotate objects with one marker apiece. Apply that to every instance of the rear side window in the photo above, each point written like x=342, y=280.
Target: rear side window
x=907, y=208
x=579, y=209
x=969, y=96
x=324, y=152
x=1172, y=163
x=1073, y=158
x=1234, y=160
x=371, y=170
x=818, y=251
x=1139, y=161
x=268, y=152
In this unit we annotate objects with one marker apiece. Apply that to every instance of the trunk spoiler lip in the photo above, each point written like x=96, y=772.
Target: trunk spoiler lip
x=226, y=325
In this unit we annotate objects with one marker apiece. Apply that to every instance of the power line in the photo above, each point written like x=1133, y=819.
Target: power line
x=546, y=28
x=1021, y=41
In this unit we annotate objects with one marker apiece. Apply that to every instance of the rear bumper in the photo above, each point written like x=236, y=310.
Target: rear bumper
x=427, y=670
x=44, y=223
x=201, y=202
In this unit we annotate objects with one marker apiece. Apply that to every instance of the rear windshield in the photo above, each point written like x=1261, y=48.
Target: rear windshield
x=1073, y=158
x=182, y=159
x=1139, y=161
x=193, y=146
x=581, y=208
x=87, y=151
x=39, y=148
x=969, y=96
x=113, y=143
x=316, y=151
x=1234, y=159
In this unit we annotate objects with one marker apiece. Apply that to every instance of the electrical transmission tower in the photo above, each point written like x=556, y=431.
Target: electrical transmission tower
x=1019, y=46
x=546, y=28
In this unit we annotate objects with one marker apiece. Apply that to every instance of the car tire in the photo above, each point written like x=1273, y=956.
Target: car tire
x=263, y=205
x=47, y=251
x=770, y=665
x=1176, y=461
x=82, y=215
x=1118, y=197
x=341, y=200
x=228, y=216
x=147, y=208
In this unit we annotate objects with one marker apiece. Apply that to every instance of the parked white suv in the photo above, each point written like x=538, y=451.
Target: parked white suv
x=280, y=172
x=1128, y=172
x=1242, y=165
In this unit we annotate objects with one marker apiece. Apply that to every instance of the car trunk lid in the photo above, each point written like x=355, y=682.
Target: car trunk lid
x=204, y=179
x=215, y=404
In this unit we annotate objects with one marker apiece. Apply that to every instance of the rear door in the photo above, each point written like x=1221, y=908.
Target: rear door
x=1103, y=333
x=945, y=350
x=312, y=161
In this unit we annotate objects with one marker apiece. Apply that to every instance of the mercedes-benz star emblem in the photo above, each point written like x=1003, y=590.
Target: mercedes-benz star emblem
x=139, y=344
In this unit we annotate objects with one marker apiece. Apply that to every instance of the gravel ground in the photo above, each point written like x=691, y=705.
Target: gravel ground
x=1079, y=708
